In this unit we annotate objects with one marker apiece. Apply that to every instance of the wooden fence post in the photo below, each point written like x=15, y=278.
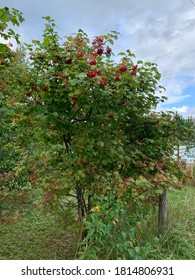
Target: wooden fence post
x=162, y=212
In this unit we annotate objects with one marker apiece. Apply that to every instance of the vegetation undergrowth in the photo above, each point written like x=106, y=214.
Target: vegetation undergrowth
x=39, y=234
x=178, y=243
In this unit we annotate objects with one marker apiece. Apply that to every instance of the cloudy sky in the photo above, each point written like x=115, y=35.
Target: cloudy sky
x=160, y=31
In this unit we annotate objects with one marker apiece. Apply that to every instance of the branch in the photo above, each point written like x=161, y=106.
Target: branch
x=193, y=2
x=83, y=119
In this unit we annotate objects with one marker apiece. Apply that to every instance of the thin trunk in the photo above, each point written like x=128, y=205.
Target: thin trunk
x=83, y=207
x=178, y=153
x=89, y=204
x=80, y=203
x=162, y=212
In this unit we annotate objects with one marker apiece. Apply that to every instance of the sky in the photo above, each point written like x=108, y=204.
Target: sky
x=159, y=31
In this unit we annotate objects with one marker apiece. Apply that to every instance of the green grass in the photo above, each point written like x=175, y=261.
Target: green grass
x=178, y=243
x=40, y=235
x=36, y=234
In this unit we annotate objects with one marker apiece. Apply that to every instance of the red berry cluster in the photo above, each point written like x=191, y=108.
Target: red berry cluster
x=103, y=82
x=111, y=116
x=69, y=61
x=34, y=88
x=108, y=50
x=122, y=68
x=60, y=75
x=79, y=54
x=65, y=84
x=134, y=70
x=91, y=73
x=100, y=51
x=92, y=62
x=98, y=44
x=99, y=72
x=45, y=89
x=74, y=99
x=123, y=101
x=98, y=40
x=117, y=78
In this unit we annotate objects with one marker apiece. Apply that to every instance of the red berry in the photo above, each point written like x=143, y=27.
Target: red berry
x=100, y=51
x=74, y=98
x=111, y=116
x=122, y=68
x=134, y=69
x=34, y=88
x=93, y=62
x=117, y=78
x=108, y=50
x=28, y=94
x=99, y=72
x=56, y=75
x=63, y=76
x=103, y=82
x=100, y=39
x=65, y=85
x=91, y=73
x=2, y=62
x=133, y=73
x=69, y=61
x=45, y=89
x=123, y=101
x=79, y=54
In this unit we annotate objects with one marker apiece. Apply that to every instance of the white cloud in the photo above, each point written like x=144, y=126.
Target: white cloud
x=185, y=111
x=174, y=90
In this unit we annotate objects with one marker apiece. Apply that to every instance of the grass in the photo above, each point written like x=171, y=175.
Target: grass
x=178, y=243
x=36, y=234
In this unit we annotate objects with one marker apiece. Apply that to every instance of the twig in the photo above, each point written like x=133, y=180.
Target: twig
x=193, y=3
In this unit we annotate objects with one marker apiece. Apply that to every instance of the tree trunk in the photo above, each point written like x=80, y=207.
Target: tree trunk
x=178, y=154
x=162, y=212
x=80, y=203
x=84, y=207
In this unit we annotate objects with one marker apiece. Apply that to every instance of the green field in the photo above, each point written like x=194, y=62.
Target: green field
x=36, y=234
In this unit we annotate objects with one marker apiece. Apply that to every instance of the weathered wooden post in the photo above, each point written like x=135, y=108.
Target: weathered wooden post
x=162, y=212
